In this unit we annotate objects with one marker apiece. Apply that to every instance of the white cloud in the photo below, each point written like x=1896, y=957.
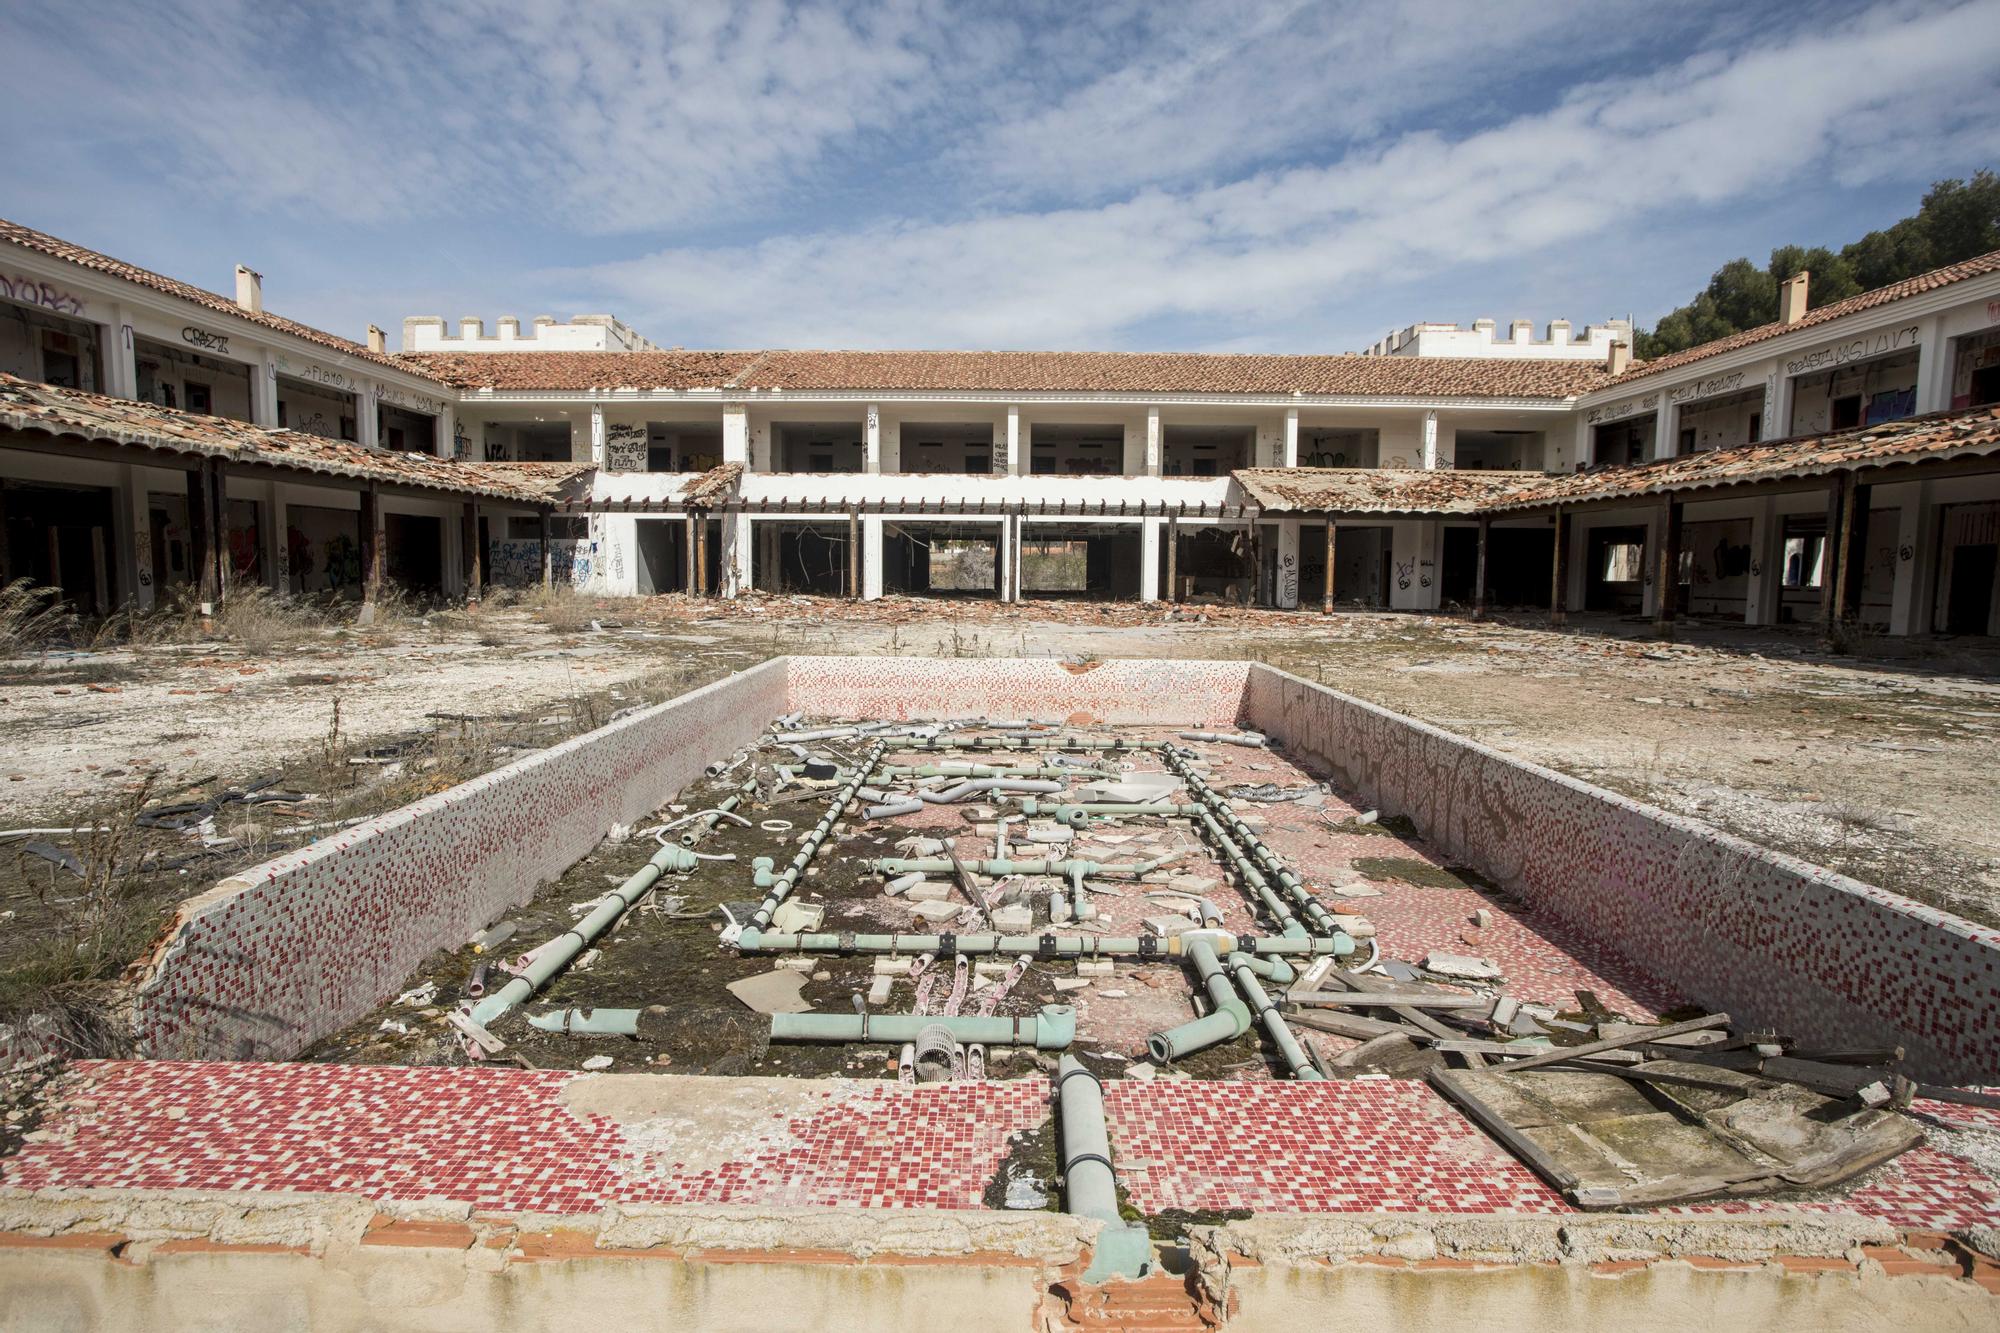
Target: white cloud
x=1269, y=250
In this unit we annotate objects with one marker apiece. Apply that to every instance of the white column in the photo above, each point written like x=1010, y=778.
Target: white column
x=735, y=434
x=1149, y=559
x=871, y=441
x=736, y=547
x=1585, y=442
x=121, y=367
x=1663, y=430
x=1133, y=461
x=367, y=428
x=264, y=391
x=871, y=557
x=1290, y=457
x=1286, y=595
x=1003, y=557
x=1016, y=464
x=1430, y=450
x=1760, y=594
x=597, y=447
x=1155, y=447
x=1933, y=368
x=1903, y=609
x=1782, y=390
x=445, y=446
x=892, y=447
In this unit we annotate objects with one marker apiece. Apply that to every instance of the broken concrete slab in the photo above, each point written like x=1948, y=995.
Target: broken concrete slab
x=774, y=992
x=795, y=918
x=1444, y=964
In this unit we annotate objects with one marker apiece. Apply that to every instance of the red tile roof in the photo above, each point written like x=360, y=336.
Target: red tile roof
x=1377, y=491
x=56, y=248
x=1941, y=435
x=1896, y=291
x=1017, y=372
x=559, y=371
x=26, y=406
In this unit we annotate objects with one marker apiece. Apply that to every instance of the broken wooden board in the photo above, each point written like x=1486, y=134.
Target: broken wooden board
x=1607, y=1140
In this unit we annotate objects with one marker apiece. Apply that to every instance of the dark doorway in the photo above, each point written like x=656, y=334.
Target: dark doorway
x=1459, y=569
x=1969, y=607
x=1519, y=565
x=62, y=537
x=1615, y=576
x=415, y=557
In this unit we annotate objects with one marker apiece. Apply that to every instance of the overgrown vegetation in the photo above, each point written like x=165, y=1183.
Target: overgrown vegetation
x=1957, y=220
x=32, y=617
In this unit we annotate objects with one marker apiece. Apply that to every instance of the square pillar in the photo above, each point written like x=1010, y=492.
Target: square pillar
x=263, y=392
x=1132, y=463
x=1155, y=445
x=1559, y=572
x=871, y=441
x=871, y=558
x=121, y=365
x=1479, y=569
x=1663, y=429
x=1914, y=543
x=1016, y=463
x=1289, y=457
x=1003, y=560
x=597, y=445
x=1149, y=560
x=736, y=554
x=1430, y=439
x=367, y=425
x=735, y=437
x=1667, y=575
x=277, y=541
x=1286, y=594
x=138, y=525
x=1933, y=368
x=1767, y=565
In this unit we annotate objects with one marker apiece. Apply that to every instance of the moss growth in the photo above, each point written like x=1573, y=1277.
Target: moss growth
x=1409, y=870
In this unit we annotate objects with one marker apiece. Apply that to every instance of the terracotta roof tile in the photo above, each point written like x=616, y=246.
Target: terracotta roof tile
x=581, y=370
x=1015, y=372
x=26, y=406
x=1940, y=435
x=1895, y=291
x=56, y=248
x=1377, y=491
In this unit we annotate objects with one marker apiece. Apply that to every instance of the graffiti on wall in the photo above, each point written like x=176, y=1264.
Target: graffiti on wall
x=624, y=447
x=519, y=563
x=47, y=295
x=1839, y=354
x=206, y=341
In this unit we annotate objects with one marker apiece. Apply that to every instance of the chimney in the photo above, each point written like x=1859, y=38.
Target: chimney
x=1792, y=298
x=378, y=341
x=1620, y=357
x=250, y=290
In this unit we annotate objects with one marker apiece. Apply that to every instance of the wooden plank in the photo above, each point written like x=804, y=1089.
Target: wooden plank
x=1354, y=1026
x=1455, y=1088
x=1390, y=999
x=1621, y=1041
x=1417, y=1017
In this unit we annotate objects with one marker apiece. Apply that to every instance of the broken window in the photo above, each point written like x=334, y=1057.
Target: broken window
x=1623, y=561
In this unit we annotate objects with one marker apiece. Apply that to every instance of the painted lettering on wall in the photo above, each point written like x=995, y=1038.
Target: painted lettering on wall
x=202, y=338
x=1854, y=349
x=332, y=379
x=624, y=447
x=1618, y=411
x=519, y=563
x=1707, y=388
x=404, y=398
x=47, y=295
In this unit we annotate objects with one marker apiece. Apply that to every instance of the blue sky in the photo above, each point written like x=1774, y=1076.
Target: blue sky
x=916, y=173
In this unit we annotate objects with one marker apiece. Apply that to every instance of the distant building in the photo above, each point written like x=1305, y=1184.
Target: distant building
x=583, y=333
x=1482, y=340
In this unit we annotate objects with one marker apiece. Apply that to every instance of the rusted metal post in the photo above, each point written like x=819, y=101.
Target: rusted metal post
x=548, y=557
x=1667, y=579
x=371, y=546
x=473, y=558
x=1559, y=573
x=1479, y=572
x=1326, y=593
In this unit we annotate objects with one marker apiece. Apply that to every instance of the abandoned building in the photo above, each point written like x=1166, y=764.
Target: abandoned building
x=1833, y=465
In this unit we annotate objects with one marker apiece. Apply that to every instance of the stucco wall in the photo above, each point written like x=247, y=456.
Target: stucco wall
x=271, y=960
x=1774, y=941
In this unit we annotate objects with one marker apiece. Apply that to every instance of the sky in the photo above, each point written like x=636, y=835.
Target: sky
x=1123, y=175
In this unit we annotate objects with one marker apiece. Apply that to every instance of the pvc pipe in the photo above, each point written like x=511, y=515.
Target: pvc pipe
x=1081, y=908
x=1051, y=1029
x=801, y=737
x=553, y=956
x=756, y=940
x=779, y=886
x=1123, y=1249
x=589, y=1022
x=1250, y=738
x=1245, y=971
x=893, y=809
x=1077, y=814
x=1229, y=1020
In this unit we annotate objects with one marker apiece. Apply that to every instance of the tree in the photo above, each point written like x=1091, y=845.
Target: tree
x=1957, y=220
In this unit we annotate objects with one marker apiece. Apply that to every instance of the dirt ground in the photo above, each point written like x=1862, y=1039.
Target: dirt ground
x=1875, y=765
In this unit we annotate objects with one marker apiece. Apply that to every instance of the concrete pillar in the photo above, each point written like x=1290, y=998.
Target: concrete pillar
x=871, y=557
x=372, y=556
x=1933, y=368
x=1585, y=441
x=548, y=556
x=1286, y=594
x=1149, y=560
x=1330, y=585
x=1479, y=569
x=735, y=436
x=871, y=441
x=1430, y=438
x=1003, y=560
x=1559, y=573
x=121, y=366
x=1290, y=456
x=853, y=555
x=277, y=545
x=135, y=536
x=446, y=443
x=1133, y=461
x=1783, y=390
x=367, y=426
x=470, y=553
x=1016, y=446
x=1155, y=442
x=1767, y=565
x=1916, y=545
x=1667, y=575
x=736, y=554
x=1173, y=540
x=597, y=445
x=264, y=391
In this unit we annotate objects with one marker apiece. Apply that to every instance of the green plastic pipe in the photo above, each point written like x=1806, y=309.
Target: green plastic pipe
x=779, y=886
x=1052, y=1029
x=1078, y=813
x=589, y=1022
x=1123, y=1249
x=1229, y=1019
x=1244, y=968
x=753, y=940
x=555, y=956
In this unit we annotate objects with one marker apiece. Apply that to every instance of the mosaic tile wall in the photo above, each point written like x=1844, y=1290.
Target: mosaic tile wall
x=267, y=962
x=1772, y=940
x=1122, y=693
